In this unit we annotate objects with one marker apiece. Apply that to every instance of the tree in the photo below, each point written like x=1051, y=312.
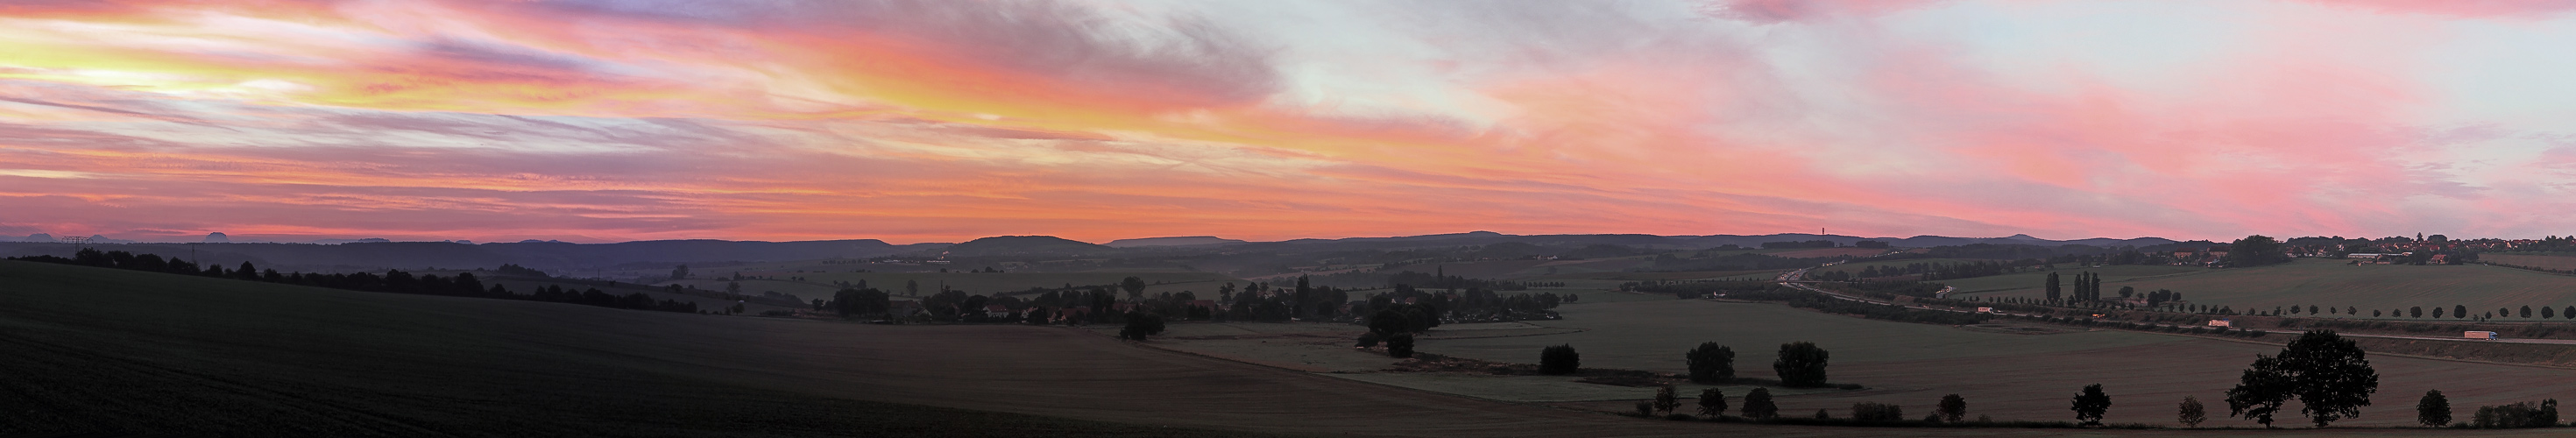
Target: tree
x=2415, y=312
x=2526, y=311
x=2053, y=288
x=912, y=288
x=1666, y=400
x=1140, y=325
x=1801, y=364
x=680, y=272
x=1757, y=404
x=2255, y=250
x=1560, y=359
x=733, y=288
x=1400, y=345
x=1135, y=287
x=2434, y=410
x=2325, y=372
x=1952, y=408
x=2459, y=311
x=1877, y=412
x=2090, y=404
x=2191, y=413
x=1711, y=363
x=850, y=302
x=1712, y=403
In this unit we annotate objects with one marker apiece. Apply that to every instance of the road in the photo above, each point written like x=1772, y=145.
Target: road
x=1790, y=279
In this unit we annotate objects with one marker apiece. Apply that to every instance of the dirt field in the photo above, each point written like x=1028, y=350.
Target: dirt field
x=2558, y=262
x=2327, y=282
x=2009, y=376
x=151, y=352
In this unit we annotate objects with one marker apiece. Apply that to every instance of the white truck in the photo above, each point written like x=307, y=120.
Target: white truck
x=2481, y=335
x=1985, y=310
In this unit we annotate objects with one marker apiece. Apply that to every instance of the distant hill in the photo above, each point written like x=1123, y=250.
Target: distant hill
x=1021, y=245
x=552, y=256
x=1173, y=241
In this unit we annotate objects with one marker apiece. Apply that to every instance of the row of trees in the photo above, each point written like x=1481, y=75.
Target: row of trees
x=392, y=281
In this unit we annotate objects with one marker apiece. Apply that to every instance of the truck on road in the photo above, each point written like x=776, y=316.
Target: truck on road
x=2481, y=335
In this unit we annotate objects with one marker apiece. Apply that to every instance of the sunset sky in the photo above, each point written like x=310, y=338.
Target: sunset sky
x=1094, y=120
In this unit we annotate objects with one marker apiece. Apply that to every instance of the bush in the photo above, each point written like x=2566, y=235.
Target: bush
x=1646, y=409
x=1559, y=360
x=2517, y=415
x=1400, y=345
x=1680, y=417
x=1866, y=411
x=1369, y=339
x=1140, y=325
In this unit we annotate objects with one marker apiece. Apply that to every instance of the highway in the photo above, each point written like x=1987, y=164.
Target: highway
x=1790, y=278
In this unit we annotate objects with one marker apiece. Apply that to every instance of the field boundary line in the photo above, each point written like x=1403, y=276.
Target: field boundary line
x=1319, y=375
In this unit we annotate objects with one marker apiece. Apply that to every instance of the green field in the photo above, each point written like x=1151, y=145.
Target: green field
x=2327, y=282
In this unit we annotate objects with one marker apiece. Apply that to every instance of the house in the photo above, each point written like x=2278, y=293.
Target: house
x=998, y=311
x=1071, y=313
x=1122, y=307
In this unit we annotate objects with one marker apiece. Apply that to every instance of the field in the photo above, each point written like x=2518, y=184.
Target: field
x=1855, y=267
x=2111, y=277
x=2009, y=376
x=1831, y=252
x=819, y=284
x=2325, y=282
x=100, y=350
x=2557, y=262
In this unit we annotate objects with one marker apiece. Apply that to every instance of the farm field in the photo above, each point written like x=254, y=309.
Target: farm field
x=2009, y=376
x=101, y=349
x=2111, y=275
x=2558, y=262
x=1831, y=252
x=1855, y=267
x=2326, y=282
x=819, y=284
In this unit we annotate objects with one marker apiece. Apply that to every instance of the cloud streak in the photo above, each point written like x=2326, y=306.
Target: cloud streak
x=941, y=121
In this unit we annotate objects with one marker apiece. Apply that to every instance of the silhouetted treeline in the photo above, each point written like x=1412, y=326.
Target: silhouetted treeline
x=392, y=281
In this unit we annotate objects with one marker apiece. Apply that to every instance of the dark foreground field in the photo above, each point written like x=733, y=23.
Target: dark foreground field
x=93, y=350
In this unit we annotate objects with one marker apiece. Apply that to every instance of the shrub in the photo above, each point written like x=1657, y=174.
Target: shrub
x=1645, y=409
x=1369, y=339
x=1559, y=360
x=1666, y=400
x=1400, y=345
x=1140, y=325
x=1824, y=414
x=1680, y=417
x=1867, y=411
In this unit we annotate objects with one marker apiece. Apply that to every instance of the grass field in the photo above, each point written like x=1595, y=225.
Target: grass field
x=1830, y=252
x=96, y=350
x=2009, y=376
x=2326, y=282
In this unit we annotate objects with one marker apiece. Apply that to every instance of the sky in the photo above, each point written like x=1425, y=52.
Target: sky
x=942, y=121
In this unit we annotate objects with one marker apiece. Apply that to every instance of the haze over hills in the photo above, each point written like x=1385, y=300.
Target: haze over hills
x=369, y=254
